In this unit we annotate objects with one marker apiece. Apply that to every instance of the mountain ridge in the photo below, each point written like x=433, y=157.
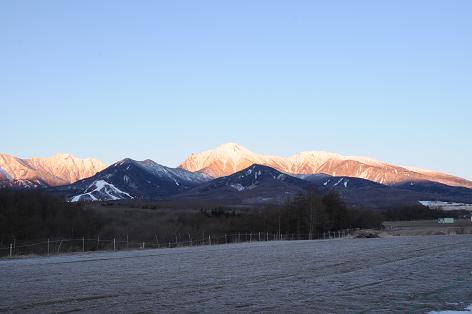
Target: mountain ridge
x=58, y=169
x=254, y=185
x=229, y=158
x=132, y=179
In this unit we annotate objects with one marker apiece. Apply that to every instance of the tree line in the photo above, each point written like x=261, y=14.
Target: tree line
x=31, y=215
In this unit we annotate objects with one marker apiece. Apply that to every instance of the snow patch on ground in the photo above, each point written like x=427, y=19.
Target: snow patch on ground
x=446, y=205
x=465, y=311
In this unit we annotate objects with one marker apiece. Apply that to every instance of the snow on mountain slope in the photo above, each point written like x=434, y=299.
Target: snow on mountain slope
x=229, y=158
x=101, y=190
x=55, y=170
x=4, y=175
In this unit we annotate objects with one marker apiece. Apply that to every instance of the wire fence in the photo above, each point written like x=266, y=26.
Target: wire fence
x=62, y=246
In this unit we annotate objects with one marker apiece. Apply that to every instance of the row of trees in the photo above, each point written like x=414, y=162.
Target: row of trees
x=417, y=212
x=31, y=215
x=34, y=215
x=310, y=213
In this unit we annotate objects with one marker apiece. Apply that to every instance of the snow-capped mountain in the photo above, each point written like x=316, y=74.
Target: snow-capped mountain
x=254, y=185
x=52, y=171
x=229, y=158
x=129, y=178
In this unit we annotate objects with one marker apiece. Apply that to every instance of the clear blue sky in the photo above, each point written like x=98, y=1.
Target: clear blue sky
x=160, y=79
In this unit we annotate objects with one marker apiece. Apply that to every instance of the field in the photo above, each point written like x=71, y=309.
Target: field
x=394, y=274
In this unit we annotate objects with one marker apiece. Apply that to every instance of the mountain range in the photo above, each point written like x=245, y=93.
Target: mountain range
x=229, y=158
x=234, y=176
x=56, y=170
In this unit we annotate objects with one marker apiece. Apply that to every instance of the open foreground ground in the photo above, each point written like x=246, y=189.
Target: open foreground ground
x=396, y=274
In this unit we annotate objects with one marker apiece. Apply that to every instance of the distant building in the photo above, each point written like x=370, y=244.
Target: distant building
x=446, y=220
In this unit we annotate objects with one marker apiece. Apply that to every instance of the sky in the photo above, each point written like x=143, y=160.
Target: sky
x=391, y=80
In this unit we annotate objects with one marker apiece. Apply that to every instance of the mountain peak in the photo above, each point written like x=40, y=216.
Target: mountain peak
x=62, y=156
x=232, y=147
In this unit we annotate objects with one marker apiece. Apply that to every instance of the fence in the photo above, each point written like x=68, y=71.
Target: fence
x=58, y=246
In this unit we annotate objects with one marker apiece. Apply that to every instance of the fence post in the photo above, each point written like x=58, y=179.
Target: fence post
x=59, y=248
x=250, y=237
x=48, y=246
x=259, y=237
x=114, y=244
x=83, y=244
x=127, y=243
x=11, y=249
x=189, y=239
x=226, y=239
x=209, y=239
x=143, y=245
x=239, y=237
x=98, y=242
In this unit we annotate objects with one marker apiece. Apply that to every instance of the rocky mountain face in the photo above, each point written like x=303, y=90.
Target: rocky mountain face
x=131, y=179
x=230, y=158
x=56, y=170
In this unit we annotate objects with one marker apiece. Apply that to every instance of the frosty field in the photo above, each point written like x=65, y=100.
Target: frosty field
x=395, y=274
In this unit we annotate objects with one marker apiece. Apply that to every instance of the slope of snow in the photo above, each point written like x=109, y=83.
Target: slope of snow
x=101, y=190
x=5, y=175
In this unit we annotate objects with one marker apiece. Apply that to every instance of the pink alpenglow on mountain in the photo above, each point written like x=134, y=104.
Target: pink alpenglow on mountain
x=229, y=158
x=55, y=170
